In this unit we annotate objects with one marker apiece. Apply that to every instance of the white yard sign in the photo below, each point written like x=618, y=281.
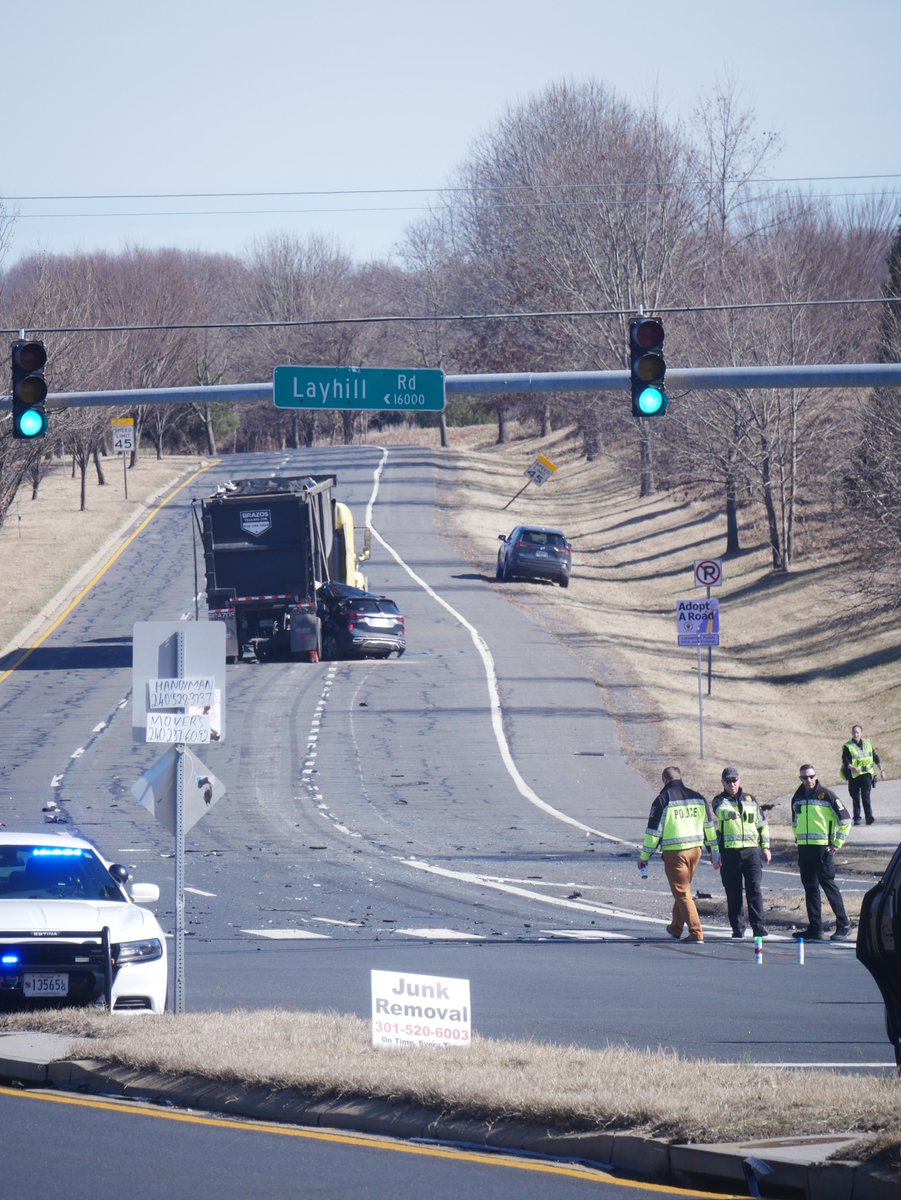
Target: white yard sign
x=419, y=1010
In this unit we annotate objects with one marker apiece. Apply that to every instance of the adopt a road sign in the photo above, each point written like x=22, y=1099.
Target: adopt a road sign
x=698, y=622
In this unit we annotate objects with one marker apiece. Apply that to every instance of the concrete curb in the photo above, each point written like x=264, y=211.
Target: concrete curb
x=798, y=1165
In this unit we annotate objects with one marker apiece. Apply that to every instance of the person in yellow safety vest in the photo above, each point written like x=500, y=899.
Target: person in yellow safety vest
x=821, y=823
x=680, y=823
x=859, y=763
x=744, y=838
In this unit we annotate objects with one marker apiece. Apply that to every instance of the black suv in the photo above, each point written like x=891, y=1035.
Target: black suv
x=535, y=552
x=361, y=623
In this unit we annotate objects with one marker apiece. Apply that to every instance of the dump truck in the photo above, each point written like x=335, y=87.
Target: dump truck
x=268, y=546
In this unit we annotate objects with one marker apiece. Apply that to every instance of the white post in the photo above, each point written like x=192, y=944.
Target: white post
x=180, y=851
x=700, y=701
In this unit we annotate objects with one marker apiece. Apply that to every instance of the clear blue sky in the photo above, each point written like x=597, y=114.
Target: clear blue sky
x=156, y=96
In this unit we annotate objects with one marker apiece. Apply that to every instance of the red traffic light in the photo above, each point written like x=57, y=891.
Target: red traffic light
x=647, y=333
x=30, y=356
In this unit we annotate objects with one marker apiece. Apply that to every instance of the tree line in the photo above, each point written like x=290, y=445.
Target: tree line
x=574, y=211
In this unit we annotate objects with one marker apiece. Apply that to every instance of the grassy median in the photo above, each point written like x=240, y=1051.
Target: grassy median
x=564, y=1087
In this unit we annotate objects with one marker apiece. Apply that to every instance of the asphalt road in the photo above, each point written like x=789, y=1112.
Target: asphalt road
x=463, y=811
x=109, y=1147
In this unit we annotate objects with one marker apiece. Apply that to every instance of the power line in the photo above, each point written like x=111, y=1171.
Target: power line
x=409, y=191
x=257, y=212
x=448, y=317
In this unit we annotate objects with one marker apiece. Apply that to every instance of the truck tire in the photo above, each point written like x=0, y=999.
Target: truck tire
x=330, y=647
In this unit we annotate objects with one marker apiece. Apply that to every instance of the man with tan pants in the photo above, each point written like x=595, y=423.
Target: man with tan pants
x=680, y=823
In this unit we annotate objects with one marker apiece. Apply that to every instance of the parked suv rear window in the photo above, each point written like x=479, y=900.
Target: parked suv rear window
x=374, y=606
x=539, y=538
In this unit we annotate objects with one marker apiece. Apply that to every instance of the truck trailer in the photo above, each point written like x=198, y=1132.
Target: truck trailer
x=268, y=546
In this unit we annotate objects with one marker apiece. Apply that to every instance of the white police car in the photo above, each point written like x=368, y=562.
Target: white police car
x=70, y=933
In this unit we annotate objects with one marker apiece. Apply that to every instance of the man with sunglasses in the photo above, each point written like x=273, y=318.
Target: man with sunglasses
x=821, y=823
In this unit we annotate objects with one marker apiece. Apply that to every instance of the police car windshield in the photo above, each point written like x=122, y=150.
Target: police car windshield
x=54, y=873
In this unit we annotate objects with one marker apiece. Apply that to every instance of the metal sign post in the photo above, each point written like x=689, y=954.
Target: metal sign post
x=698, y=624
x=538, y=473
x=708, y=573
x=124, y=442
x=180, y=848
x=178, y=696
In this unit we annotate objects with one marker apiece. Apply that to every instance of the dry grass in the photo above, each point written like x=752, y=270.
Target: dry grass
x=51, y=548
x=801, y=660
x=325, y=1054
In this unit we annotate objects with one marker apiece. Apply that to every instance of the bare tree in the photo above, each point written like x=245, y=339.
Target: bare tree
x=284, y=279
x=575, y=201
x=872, y=482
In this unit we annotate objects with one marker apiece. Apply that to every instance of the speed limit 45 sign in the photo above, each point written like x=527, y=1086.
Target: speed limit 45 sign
x=123, y=434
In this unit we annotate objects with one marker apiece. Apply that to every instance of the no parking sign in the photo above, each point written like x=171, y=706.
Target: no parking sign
x=709, y=572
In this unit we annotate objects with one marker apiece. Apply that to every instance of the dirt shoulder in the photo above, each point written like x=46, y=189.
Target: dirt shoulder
x=50, y=548
x=802, y=658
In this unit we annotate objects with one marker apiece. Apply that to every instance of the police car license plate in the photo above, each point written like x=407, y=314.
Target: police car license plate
x=45, y=984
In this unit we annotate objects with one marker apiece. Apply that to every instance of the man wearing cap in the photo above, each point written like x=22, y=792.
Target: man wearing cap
x=680, y=823
x=744, y=839
x=821, y=823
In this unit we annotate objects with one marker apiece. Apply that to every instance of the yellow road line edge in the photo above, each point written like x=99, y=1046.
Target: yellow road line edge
x=103, y=570
x=372, y=1143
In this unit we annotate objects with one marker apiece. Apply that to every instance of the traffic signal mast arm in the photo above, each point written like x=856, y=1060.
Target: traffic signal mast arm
x=701, y=379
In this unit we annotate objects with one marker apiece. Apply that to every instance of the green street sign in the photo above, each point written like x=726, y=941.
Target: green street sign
x=397, y=389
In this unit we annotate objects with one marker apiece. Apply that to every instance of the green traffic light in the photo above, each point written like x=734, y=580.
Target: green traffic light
x=32, y=423
x=651, y=401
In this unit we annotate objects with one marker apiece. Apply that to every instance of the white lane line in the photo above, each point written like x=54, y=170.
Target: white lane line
x=78, y=753
x=332, y=921
x=586, y=935
x=603, y=910
x=491, y=677
x=99, y=728
x=285, y=934
x=824, y=1066
x=199, y=891
x=445, y=935
x=56, y=781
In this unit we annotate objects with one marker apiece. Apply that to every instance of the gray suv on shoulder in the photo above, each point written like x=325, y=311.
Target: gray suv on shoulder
x=534, y=552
